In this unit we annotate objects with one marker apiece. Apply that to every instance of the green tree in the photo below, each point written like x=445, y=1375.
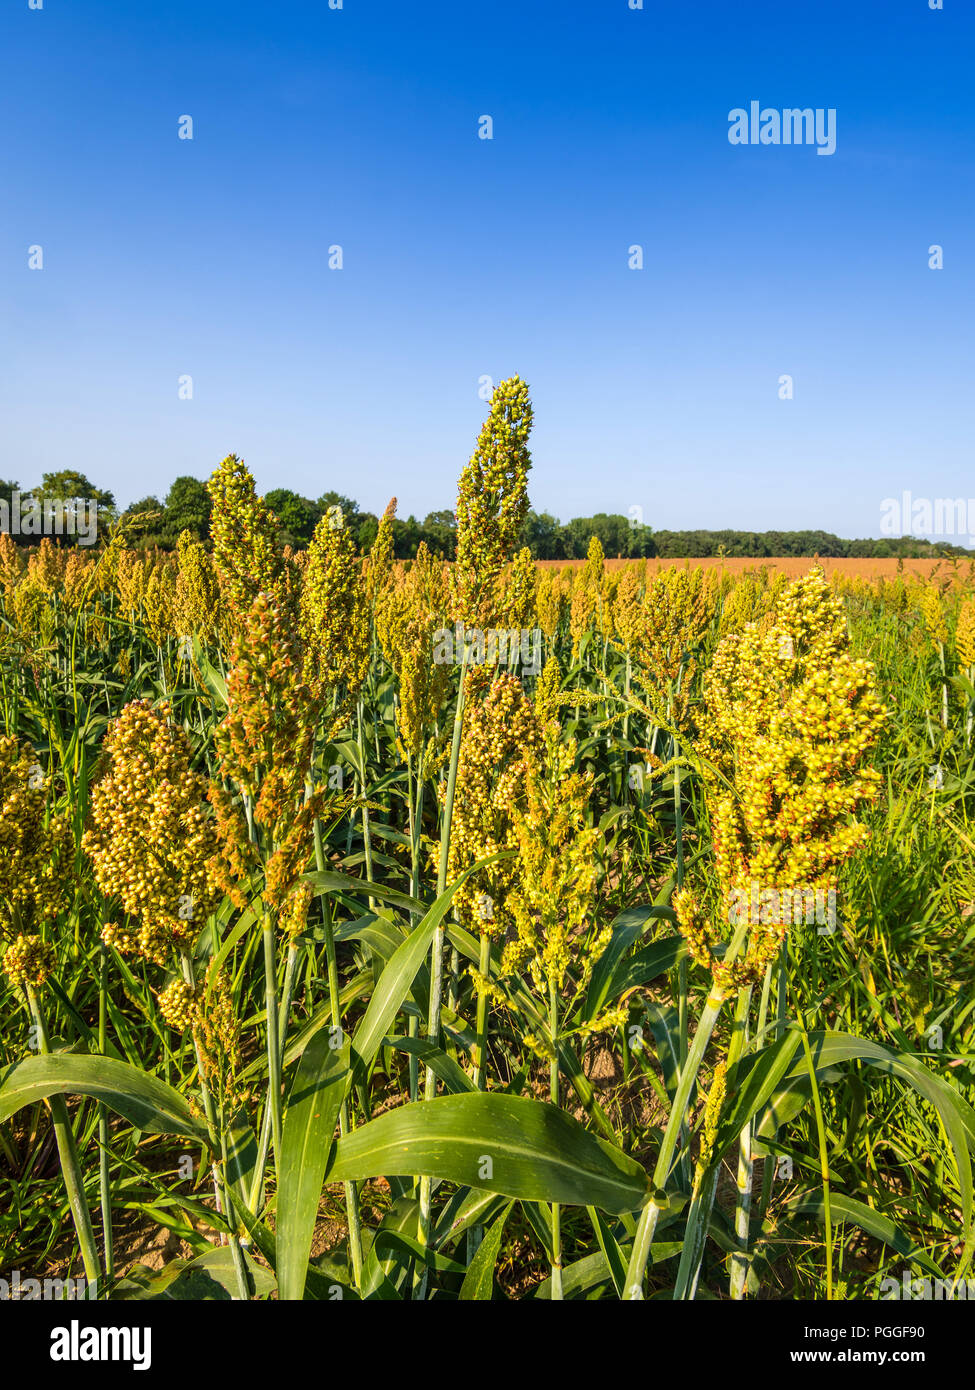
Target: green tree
x=544, y=536
x=7, y=490
x=67, y=485
x=407, y=536
x=441, y=533
x=188, y=508
x=298, y=515
x=145, y=521
x=350, y=508
x=366, y=528
x=613, y=532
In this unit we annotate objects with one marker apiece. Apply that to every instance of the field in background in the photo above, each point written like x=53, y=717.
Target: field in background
x=791, y=566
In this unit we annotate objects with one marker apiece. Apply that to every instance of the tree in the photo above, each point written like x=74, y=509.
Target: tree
x=188, y=508
x=77, y=507
x=612, y=530
x=7, y=490
x=544, y=536
x=350, y=508
x=298, y=516
x=69, y=485
x=145, y=520
x=366, y=528
x=146, y=505
x=441, y=533
x=407, y=536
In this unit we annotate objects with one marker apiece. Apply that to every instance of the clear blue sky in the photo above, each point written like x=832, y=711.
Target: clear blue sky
x=465, y=257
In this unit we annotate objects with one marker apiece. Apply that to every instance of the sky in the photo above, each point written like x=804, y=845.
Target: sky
x=466, y=259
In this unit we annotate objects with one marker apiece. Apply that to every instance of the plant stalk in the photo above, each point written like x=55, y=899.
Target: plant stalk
x=68, y=1155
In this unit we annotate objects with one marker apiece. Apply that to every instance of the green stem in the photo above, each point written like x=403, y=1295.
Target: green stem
x=823, y=1157
x=415, y=830
x=366, y=832
x=682, y=965
x=696, y=1230
x=484, y=968
x=706, y=1177
x=553, y=1024
x=216, y=1133
x=104, y=1173
x=68, y=1155
x=271, y=1020
x=944, y=685
x=436, y=948
x=237, y=1254
x=331, y=959
x=640, y=1253
x=768, y=1172
x=260, y=1167
x=746, y=1168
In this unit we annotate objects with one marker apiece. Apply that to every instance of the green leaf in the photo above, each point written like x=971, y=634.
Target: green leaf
x=215, y=683
x=664, y=1023
x=859, y=1214
x=143, y=1100
x=241, y=1153
x=317, y=1094
x=578, y=1277
x=309, y=1127
x=639, y=969
x=395, y=1252
x=627, y=930
x=398, y=976
x=394, y=986
x=615, y=1259
x=385, y=1258
x=536, y=1151
x=830, y=1049
x=321, y=1283
x=441, y=1063
x=478, y=1285
x=464, y=1210
x=570, y=1065
x=752, y=1084
x=210, y=1276
x=327, y=882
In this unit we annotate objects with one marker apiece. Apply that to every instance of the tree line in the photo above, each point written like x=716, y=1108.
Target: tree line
x=156, y=522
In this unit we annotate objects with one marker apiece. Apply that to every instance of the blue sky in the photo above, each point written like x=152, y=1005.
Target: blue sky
x=466, y=258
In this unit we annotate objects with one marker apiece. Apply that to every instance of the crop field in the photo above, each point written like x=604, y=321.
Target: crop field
x=487, y=930
x=881, y=567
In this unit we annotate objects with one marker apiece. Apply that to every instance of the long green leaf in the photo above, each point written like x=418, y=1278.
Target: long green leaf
x=627, y=930
x=327, y=882
x=859, y=1214
x=831, y=1049
x=309, y=1127
x=478, y=1285
x=143, y=1100
x=398, y=975
x=522, y=1148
